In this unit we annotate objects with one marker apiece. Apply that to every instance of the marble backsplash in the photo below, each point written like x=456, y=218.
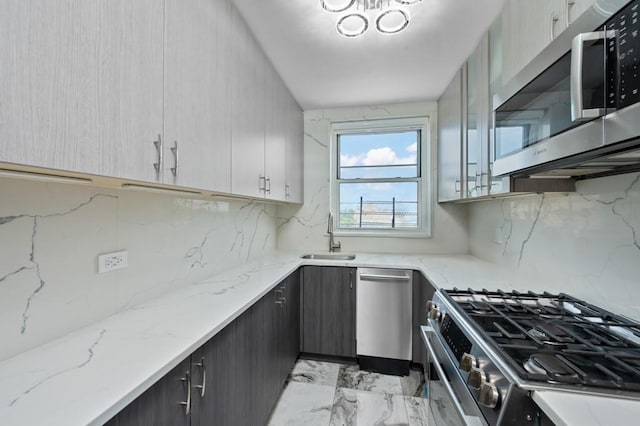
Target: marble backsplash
x=52, y=233
x=305, y=227
x=586, y=244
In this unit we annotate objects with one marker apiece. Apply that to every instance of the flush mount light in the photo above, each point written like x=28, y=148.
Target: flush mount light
x=357, y=14
x=352, y=25
x=336, y=5
x=392, y=21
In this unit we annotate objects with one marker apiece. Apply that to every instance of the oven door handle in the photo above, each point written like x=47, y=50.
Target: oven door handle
x=578, y=112
x=469, y=420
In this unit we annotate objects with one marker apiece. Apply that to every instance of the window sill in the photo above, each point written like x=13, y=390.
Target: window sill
x=383, y=234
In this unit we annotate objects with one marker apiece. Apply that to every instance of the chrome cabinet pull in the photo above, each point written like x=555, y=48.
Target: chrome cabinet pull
x=158, y=145
x=267, y=185
x=287, y=190
x=187, y=403
x=174, y=150
x=203, y=386
x=262, y=183
x=570, y=4
x=457, y=187
x=554, y=21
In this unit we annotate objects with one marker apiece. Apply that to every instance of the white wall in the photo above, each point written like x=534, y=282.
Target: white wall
x=305, y=227
x=51, y=234
x=586, y=244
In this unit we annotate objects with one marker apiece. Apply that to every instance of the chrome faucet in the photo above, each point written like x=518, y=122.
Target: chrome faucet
x=333, y=246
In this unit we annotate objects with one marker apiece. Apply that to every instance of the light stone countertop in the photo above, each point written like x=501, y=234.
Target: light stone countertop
x=89, y=375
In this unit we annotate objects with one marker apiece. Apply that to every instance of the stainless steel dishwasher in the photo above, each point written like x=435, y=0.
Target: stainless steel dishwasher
x=384, y=320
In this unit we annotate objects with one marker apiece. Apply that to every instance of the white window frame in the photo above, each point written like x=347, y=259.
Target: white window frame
x=424, y=180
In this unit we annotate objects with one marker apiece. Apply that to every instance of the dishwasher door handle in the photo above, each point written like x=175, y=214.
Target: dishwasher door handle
x=376, y=277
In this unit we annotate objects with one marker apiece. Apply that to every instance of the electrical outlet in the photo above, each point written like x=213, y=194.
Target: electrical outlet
x=112, y=261
x=497, y=238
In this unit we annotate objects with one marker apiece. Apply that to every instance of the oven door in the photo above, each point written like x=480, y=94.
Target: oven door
x=450, y=402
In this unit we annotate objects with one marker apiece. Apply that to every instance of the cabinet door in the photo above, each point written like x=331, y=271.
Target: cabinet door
x=329, y=311
x=247, y=105
x=528, y=27
x=264, y=385
x=477, y=121
x=224, y=365
x=160, y=404
x=450, y=141
x=290, y=329
x=197, y=116
x=294, y=186
x=81, y=85
x=275, y=133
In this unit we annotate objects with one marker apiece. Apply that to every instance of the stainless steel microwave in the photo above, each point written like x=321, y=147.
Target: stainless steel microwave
x=575, y=109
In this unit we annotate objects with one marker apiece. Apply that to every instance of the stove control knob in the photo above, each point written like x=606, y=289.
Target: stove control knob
x=467, y=362
x=477, y=377
x=435, y=314
x=430, y=306
x=488, y=395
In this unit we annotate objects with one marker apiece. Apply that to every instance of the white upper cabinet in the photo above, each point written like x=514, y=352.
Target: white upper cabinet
x=527, y=28
x=275, y=134
x=248, y=112
x=197, y=94
x=294, y=191
x=576, y=8
x=81, y=85
x=450, y=140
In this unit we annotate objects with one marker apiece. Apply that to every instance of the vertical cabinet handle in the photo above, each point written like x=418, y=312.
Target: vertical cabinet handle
x=267, y=185
x=262, y=183
x=203, y=386
x=570, y=4
x=174, y=151
x=351, y=280
x=187, y=403
x=158, y=145
x=553, y=22
x=287, y=190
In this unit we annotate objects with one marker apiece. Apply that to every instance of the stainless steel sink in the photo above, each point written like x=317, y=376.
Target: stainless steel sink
x=329, y=256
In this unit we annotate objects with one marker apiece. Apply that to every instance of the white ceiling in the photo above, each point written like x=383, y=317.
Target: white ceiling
x=323, y=69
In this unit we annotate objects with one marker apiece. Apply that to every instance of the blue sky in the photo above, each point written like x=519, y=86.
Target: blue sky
x=378, y=149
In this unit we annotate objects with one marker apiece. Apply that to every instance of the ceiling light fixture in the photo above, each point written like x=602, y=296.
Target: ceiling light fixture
x=389, y=17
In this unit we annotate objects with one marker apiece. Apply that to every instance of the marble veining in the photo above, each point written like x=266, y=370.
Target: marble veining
x=52, y=233
x=40, y=281
x=585, y=243
x=315, y=372
x=358, y=407
x=90, y=354
x=304, y=404
x=350, y=376
x=533, y=227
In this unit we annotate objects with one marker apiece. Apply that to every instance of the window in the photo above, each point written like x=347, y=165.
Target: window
x=378, y=178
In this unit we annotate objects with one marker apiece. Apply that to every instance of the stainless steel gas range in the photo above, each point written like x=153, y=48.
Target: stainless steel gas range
x=488, y=350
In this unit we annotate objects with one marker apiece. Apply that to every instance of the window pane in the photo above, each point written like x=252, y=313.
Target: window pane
x=378, y=155
x=379, y=205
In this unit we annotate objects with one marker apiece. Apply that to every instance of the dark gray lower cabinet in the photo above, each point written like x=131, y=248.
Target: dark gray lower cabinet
x=236, y=377
x=329, y=310
x=160, y=404
x=422, y=292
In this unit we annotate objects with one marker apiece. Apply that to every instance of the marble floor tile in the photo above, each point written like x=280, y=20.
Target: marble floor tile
x=351, y=377
x=413, y=384
x=362, y=408
x=417, y=411
x=304, y=404
x=316, y=372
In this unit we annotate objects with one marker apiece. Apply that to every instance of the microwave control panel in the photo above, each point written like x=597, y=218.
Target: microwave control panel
x=626, y=23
